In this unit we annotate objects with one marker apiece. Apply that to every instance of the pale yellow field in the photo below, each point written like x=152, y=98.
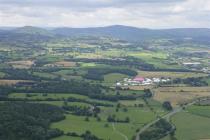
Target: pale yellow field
x=151, y=74
x=24, y=64
x=65, y=64
x=179, y=95
x=12, y=82
x=140, y=87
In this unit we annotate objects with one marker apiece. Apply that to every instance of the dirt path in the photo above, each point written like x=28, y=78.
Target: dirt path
x=120, y=133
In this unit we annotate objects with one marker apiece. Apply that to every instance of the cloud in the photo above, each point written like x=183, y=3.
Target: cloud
x=86, y=13
x=82, y=3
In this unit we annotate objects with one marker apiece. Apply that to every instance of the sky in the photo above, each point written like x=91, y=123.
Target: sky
x=155, y=14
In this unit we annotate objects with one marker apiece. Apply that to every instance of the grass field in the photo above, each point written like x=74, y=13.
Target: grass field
x=203, y=111
x=43, y=96
x=191, y=127
x=138, y=117
x=44, y=75
x=61, y=103
x=112, y=78
x=2, y=74
x=79, y=125
x=67, y=138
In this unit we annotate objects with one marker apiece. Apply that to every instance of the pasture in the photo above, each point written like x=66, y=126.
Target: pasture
x=203, y=111
x=112, y=78
x=191, y=127
x=43, y=96
x=138, y=115
x=67, y=138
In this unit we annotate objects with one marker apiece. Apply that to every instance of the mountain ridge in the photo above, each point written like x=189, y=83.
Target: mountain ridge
x=122, y=32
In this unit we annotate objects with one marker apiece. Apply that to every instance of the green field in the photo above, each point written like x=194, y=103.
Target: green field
x=67, y=138
x=46, y=96
x=79, y=125
x=203, y=111
x=191, y=127
x=114, y=77
x=138, y=116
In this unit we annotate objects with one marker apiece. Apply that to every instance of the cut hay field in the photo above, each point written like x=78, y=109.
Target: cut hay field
x=24, y=64
x=140, y=87
x=151, y=74
x=12, y=82
x=65, y=64
x=179, y=95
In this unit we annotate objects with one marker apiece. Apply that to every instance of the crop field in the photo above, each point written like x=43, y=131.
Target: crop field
x=178, y=95
x=170, y=74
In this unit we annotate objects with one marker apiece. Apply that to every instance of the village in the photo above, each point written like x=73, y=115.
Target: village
x=141, y=81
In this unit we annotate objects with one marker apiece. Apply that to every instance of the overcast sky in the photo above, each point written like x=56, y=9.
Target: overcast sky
x=89, y=13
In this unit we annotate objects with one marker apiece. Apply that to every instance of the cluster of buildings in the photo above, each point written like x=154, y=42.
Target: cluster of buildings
x=141, y=81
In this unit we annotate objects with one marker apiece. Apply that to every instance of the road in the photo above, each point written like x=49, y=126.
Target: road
x=167, y=117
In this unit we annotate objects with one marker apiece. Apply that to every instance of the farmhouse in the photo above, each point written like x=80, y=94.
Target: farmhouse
x=140, y=81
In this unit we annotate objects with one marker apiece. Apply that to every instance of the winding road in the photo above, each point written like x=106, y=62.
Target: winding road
x=167, y=117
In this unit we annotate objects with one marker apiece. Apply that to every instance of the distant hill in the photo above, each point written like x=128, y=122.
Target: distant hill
x=137, y=34
x=33, y=31
x=117, y=31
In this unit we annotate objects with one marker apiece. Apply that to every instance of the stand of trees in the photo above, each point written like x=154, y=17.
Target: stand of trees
x=157, y=131
x=112, y=118
x=81, y=111
x=167, y=105
x=193, y=81
x=86, y=136
x=28, y=121
x=124, y=61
